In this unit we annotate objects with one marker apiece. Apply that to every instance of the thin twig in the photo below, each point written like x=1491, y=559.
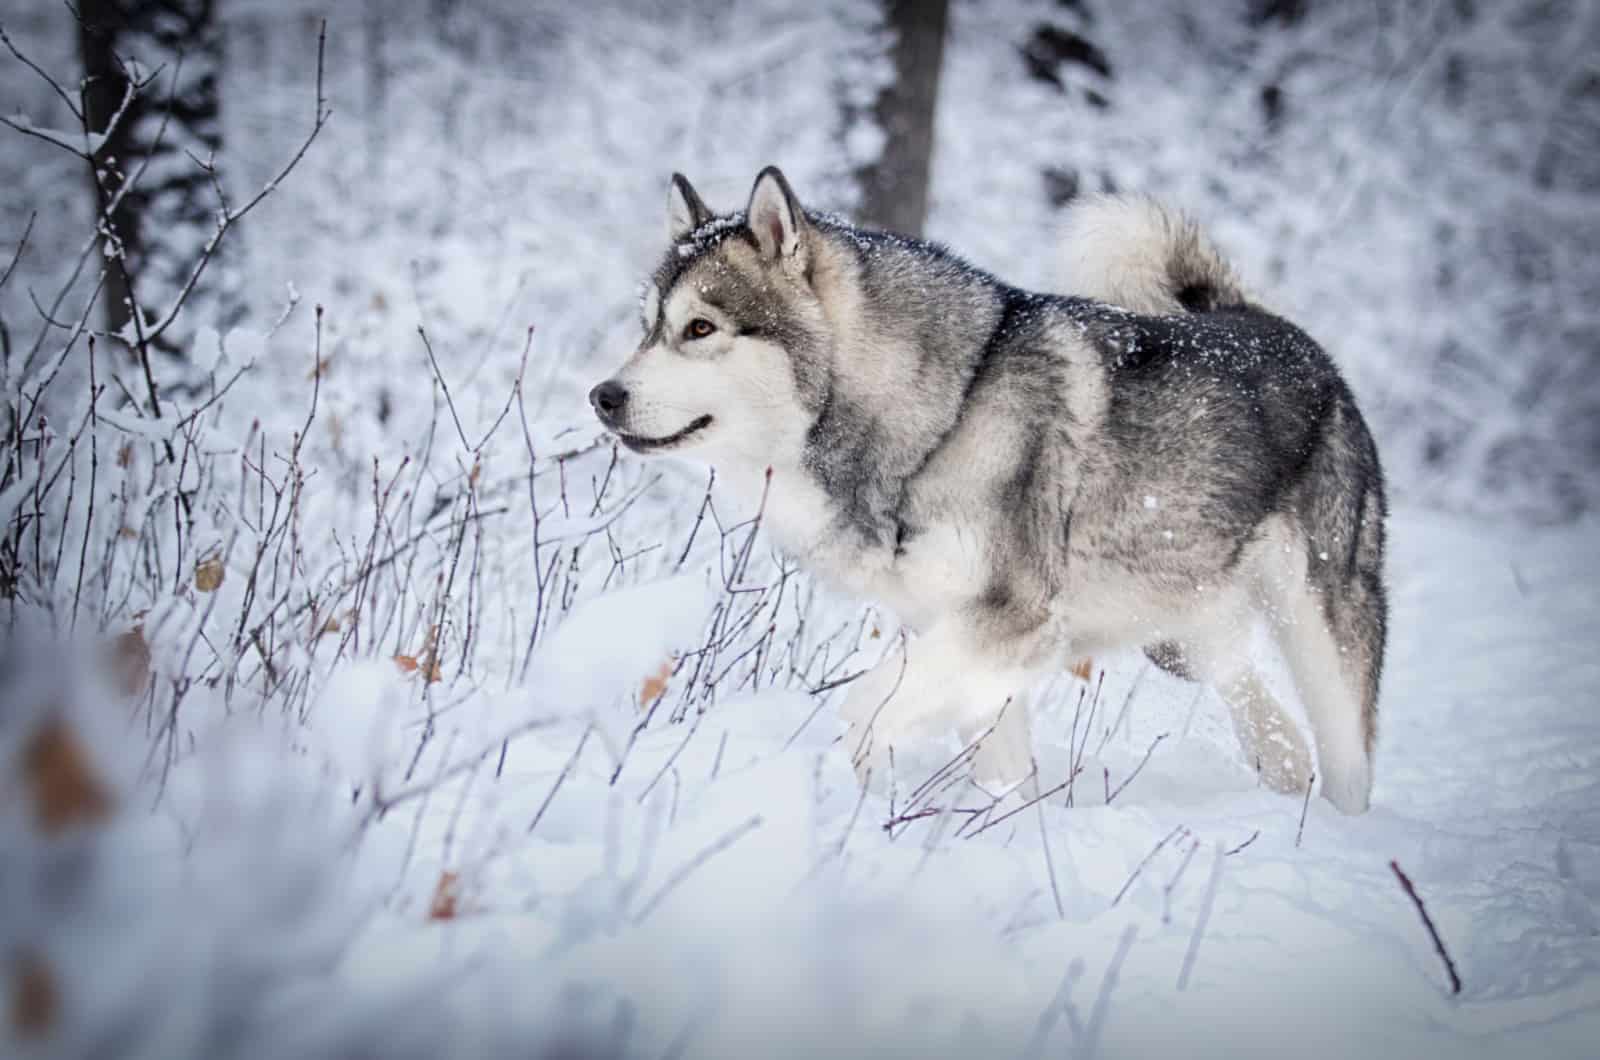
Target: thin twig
x=694, y=727
x=1172, y=885
x=1310, y=782
x=1427, y=922
x=1140, y=867
x=448, y=400
x=22, y=245
x=727, y=840
x=1138, y=768
x=52, y=82
x=1012, y=813
x=560, y=779
x=1050, y=865
x=208, y=250
x=1253, y=837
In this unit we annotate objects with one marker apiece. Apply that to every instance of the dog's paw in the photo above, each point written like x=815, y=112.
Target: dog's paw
x=1285, y=766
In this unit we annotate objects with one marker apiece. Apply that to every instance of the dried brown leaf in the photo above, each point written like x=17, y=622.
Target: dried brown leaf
x=446, y=897
x=428, y=666
x=655, y=686
x=130, y=661
x=35, y=999
x=208, y=573
x=57, y=773
x=1083, y=669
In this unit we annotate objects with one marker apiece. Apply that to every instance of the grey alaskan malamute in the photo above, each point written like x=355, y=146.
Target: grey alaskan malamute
x=1027, y=479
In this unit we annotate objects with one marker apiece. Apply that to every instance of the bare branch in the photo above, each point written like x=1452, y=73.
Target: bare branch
x=1427, y=922
x=22, y=244
x=727, y=840
x=1253, y=837
x=1304, y=806
x=1169, y=837
x=561, y=778
x=1138, y=768
x=55, y=86
x=229, y=219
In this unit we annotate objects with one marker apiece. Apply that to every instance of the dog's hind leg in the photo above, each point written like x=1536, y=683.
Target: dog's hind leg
x=1330, y=677
x=1329, y=622
x=1271, y=741
x=1324, y=588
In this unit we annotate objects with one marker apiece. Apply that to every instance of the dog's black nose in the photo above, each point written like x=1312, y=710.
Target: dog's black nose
x=609, y=397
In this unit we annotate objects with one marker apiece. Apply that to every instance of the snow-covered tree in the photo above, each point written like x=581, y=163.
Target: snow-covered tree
x=152, y=79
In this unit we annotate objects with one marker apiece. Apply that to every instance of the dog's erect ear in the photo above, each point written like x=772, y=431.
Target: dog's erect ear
x=685, y=210
x=774, y=215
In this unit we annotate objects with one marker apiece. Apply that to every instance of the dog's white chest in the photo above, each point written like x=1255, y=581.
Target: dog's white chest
x=920, y=579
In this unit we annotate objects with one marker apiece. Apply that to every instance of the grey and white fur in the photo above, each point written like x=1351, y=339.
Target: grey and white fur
x=1028, y=479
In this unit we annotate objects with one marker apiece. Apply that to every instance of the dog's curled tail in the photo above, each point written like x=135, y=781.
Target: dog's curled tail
x=1131, y=251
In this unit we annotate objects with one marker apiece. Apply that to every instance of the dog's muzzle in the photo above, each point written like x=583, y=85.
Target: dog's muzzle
x=609, y=399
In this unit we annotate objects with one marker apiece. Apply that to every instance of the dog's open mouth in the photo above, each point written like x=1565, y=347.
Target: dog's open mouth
x=645, y=445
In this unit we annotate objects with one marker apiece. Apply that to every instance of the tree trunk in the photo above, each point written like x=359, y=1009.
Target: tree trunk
x=894, y=190
x=159, y=229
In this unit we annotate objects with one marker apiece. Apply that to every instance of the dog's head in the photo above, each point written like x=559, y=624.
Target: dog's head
x=734, y=360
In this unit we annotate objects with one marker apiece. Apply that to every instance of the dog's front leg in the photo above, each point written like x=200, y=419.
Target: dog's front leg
x=961, y=672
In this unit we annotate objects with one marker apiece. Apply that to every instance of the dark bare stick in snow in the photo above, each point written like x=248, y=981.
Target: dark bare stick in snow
x=1253, y=837
x=1298, y=832
x=1427, y=922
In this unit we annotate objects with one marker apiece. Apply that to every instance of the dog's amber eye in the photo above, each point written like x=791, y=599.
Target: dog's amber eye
x=699, y=328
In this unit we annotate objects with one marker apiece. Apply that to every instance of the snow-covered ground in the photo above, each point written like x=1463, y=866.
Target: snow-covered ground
x=728, y=892
x=817, y=931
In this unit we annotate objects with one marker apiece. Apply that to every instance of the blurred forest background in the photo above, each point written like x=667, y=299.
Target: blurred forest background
x=1417, y=182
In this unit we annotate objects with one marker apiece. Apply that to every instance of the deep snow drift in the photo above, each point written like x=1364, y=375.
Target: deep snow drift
x=729, y=891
